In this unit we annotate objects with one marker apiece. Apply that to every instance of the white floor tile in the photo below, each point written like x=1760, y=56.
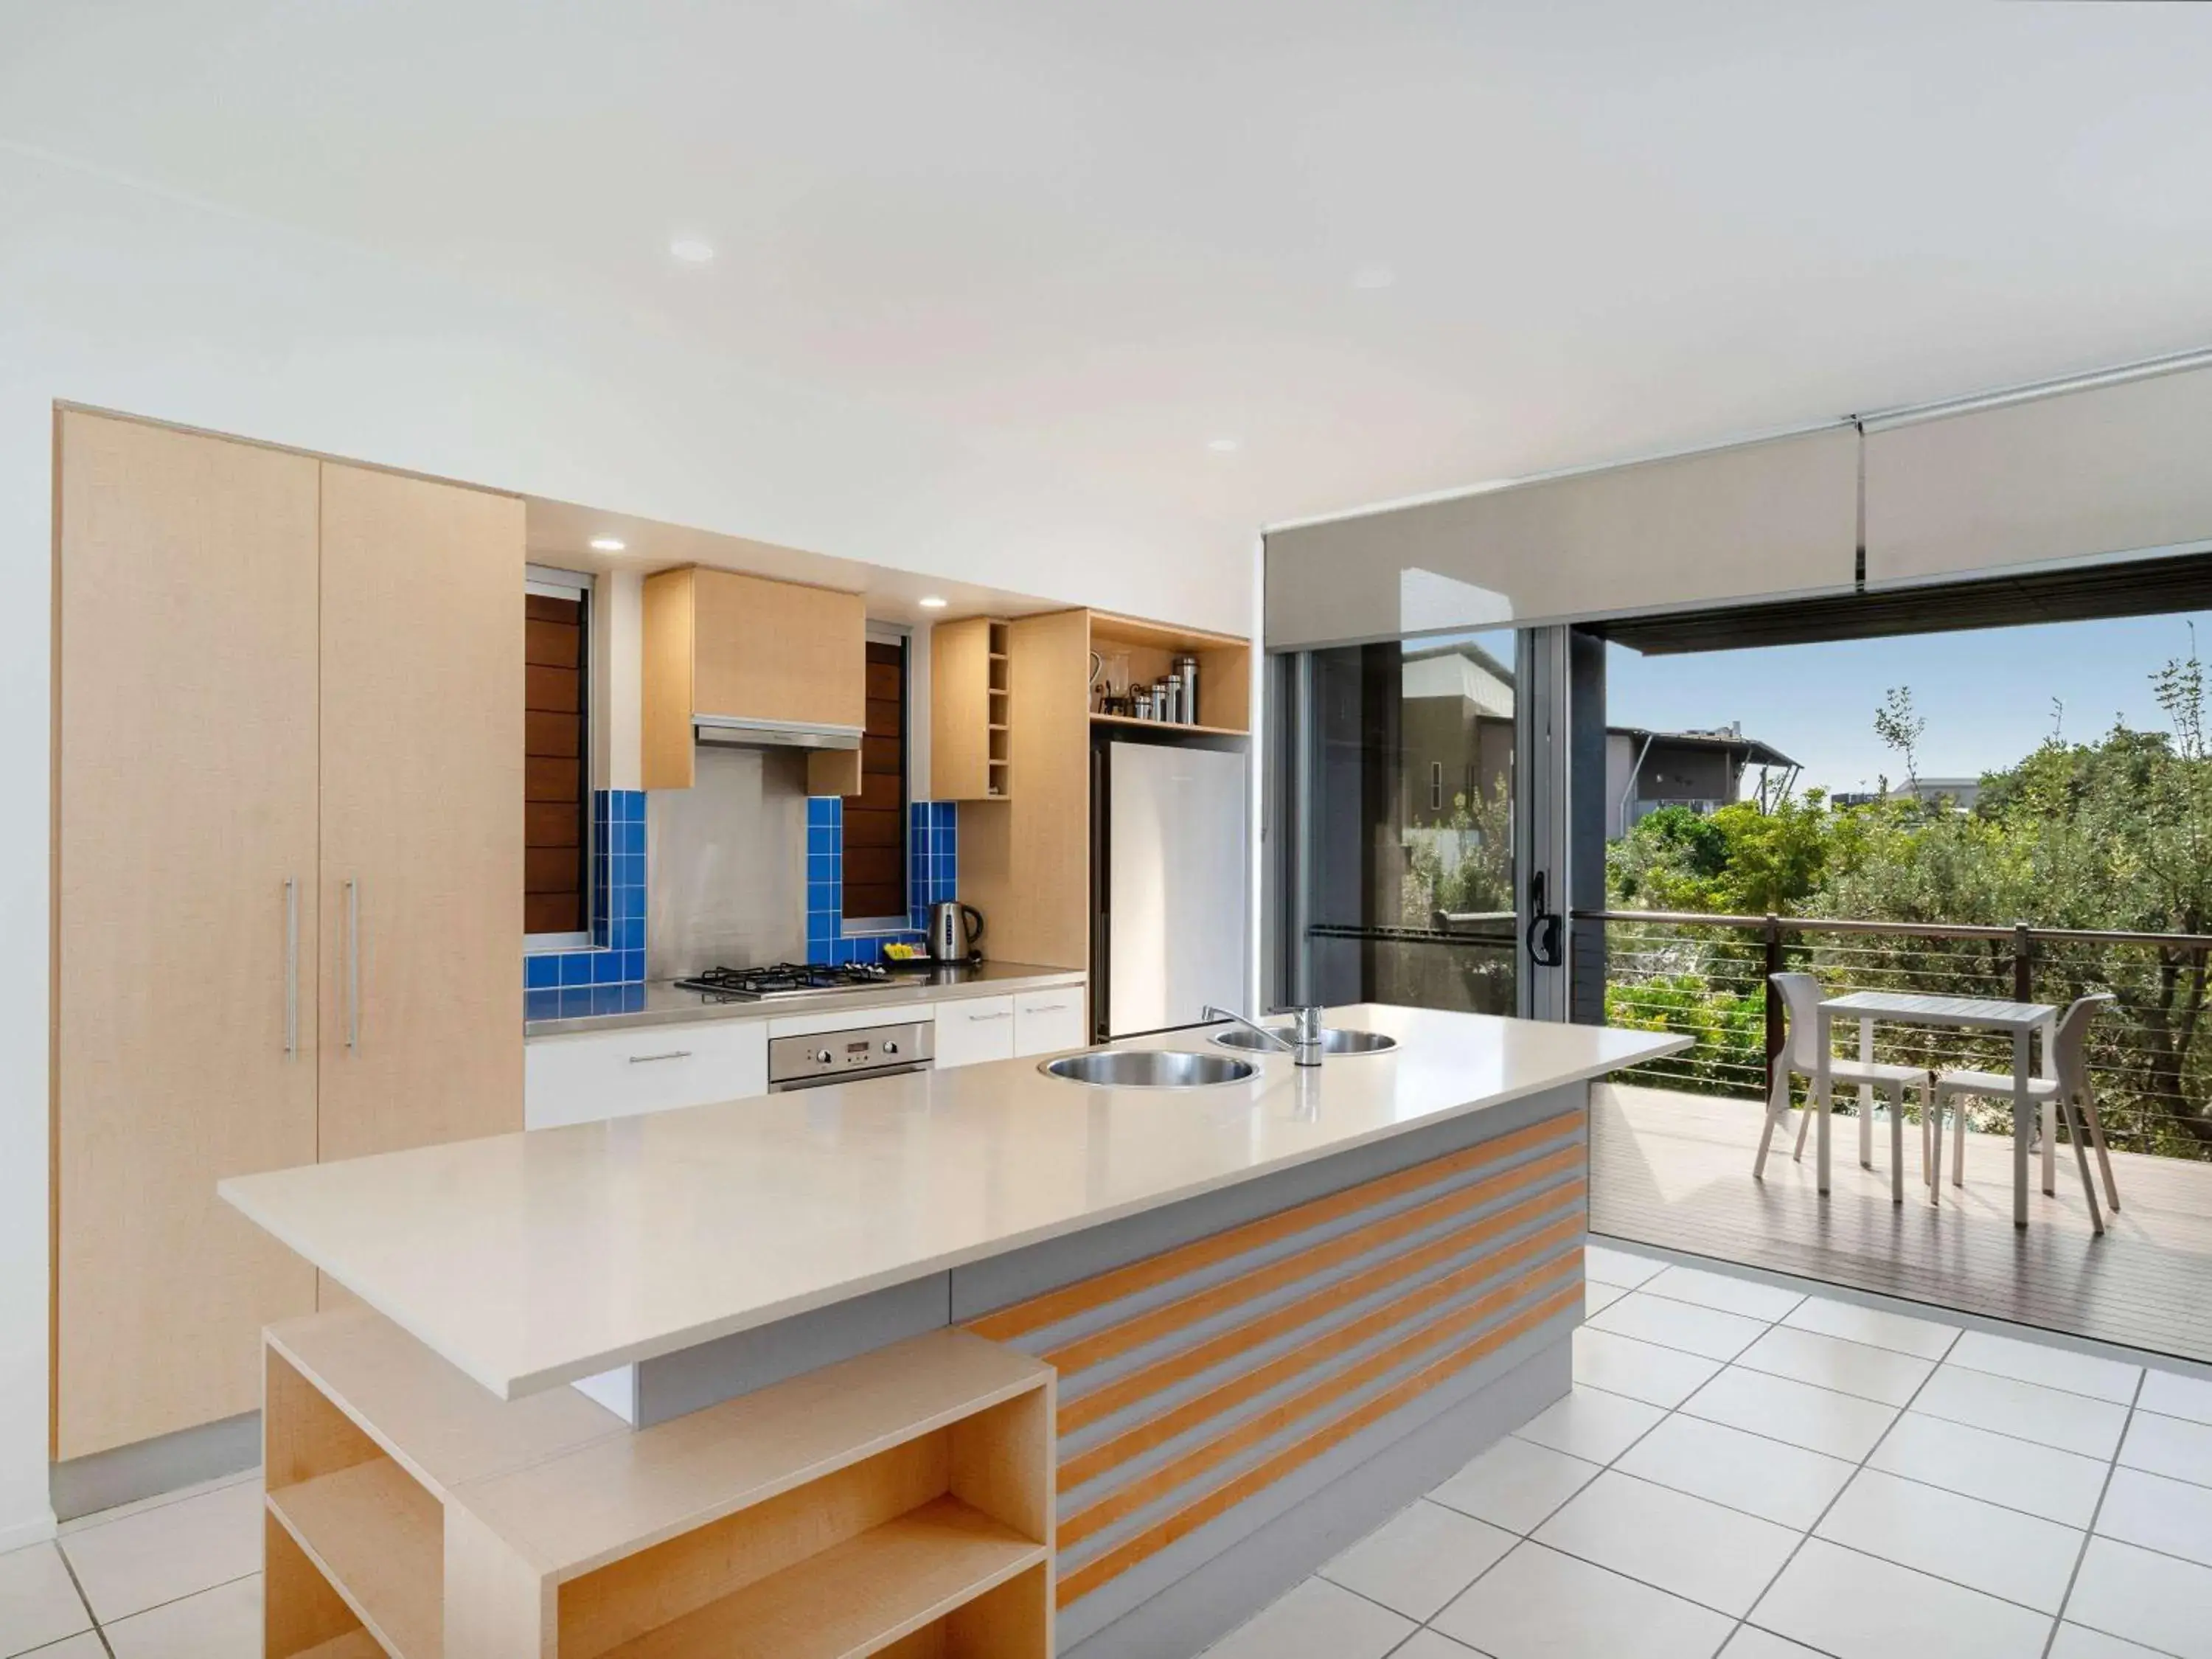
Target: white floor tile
x=2061, y=1486
x=1591, y=1425
x=161, y=1500
x=216, y=1624
x=1786, y=1485
x=1419, y=1559
x=86, y=1646
x=2079, y=1641
x=2172, y=1395
x=1539, y=1604
x=1998, y=1552
x=2142, y=1597
x=2053, y=1367
x=1854, y=1606
x=1641, y=1371
x=2027, y=1411
x=1877, y=1329
x=1617, y=1267
x=1819, y=1419
x=1753, y=1643
x=1830, y=1362
x=2173, y=1516
x=1515, y=1485
x=1684, y=1326
x=38, y=1603
x=161, y=1555
x=2170, y=1447
x=1701, y=1551
x=1597, y=1297
x=1725, y=1291
x=1428, y=1645
x=1317, y=1620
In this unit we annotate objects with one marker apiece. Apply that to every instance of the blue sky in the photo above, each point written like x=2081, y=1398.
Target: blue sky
x=1986, y=693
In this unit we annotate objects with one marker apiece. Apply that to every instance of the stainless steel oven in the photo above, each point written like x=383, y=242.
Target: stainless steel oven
x=822, y=1058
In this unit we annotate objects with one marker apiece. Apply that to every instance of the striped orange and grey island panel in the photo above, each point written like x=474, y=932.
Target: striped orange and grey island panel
x=1193, y=1381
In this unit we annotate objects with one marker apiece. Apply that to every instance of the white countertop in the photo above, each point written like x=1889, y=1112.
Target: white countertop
x=532, y=1259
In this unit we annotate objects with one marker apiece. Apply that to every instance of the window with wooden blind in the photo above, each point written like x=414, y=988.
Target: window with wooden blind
x=875, y=819
x=557, y=764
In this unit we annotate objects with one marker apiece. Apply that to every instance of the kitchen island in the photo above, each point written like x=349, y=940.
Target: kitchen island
x=964, y=1363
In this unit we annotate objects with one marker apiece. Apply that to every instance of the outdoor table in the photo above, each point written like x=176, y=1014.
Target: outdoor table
x=2022, y=1019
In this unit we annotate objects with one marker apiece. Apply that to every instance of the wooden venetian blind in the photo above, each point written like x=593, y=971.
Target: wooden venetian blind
x=875, y=819
x=555, y=884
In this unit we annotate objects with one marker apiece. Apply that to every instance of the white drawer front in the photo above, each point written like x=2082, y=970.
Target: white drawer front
x=602, y=1074
x=848, y=1019
x=971, y=1029
x=1045, y=1021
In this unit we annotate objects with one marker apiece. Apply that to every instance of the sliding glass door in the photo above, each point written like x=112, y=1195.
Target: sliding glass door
x=1396, y=815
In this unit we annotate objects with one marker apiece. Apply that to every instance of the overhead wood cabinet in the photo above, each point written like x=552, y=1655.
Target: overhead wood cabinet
x=970, y=710
x=721, y=647
x=276, y=676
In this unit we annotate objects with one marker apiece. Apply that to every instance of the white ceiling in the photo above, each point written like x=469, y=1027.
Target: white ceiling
x=1088, y=239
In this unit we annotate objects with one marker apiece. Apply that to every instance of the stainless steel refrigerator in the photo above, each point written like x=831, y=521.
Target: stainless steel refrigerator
x=1172, y=928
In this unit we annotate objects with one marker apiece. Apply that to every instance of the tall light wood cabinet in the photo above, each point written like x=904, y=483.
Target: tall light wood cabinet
x=420, y=892
x=274, y=676
x=184, y=876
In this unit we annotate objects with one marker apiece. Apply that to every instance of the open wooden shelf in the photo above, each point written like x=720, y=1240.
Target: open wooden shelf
x=378, y=1538
x=353, y=1644
x=1169, y=726
x=855, y=1597
x=901, y=1500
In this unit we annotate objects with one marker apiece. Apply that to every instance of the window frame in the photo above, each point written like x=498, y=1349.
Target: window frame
x=549, y=581
x=898, y=634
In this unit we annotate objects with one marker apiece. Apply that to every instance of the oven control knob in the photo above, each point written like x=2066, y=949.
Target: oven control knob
x=822, y=1056
x=890, y=1047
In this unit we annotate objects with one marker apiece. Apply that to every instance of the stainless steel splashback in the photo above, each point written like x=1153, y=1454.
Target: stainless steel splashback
x=726, y=864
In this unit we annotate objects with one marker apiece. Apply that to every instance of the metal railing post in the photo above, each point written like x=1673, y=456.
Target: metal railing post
x=1773, y=999
x=2023, y=963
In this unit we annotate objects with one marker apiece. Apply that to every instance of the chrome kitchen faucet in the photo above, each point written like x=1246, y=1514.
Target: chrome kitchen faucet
x=1303, y=1045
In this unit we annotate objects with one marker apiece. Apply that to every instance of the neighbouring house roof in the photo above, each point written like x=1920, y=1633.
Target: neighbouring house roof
x=1465, y=672
x=1754, y=752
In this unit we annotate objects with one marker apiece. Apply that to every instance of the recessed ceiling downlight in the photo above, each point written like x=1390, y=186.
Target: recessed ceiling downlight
x=607, y=544
x=1374, y=276
x=932, y=602
x=692, y=250
x=1221, y=445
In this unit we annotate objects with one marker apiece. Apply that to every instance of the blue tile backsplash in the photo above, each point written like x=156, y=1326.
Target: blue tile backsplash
x=931, y=874
x=607, y=976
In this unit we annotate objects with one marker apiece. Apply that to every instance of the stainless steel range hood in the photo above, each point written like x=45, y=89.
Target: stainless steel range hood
x=736, y=731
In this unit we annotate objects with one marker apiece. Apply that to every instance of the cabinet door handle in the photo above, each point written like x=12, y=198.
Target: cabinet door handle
x=1005, y=1014
x=647, y=1059
x=1043, y=1007
x=353, y=965
x=291, y=968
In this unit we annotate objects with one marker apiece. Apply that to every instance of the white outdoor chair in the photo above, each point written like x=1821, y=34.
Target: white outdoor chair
x=2070, y=1090
x=1800, y=1056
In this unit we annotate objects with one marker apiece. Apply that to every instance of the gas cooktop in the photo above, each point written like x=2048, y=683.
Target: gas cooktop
x=784, y=979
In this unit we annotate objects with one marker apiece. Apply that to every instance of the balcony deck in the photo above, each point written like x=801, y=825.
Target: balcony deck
x=1674, y=1170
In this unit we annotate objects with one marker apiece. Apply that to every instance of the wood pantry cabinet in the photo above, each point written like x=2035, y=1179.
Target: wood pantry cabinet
x=288, y=879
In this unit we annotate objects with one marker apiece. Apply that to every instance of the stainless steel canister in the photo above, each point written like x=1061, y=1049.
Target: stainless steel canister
x=1187, y=671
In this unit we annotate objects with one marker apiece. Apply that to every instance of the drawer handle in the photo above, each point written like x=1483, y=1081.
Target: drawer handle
x=647, y=1059
x=1043, y=1007
x=1007, y=1014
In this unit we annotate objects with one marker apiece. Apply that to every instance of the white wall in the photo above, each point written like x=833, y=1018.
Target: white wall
x=122, y=298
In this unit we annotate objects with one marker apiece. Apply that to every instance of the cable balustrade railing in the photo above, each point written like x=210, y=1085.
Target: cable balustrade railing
x=1704, y=977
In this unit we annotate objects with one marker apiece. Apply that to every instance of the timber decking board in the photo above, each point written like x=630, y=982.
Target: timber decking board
x=1673, y=1170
